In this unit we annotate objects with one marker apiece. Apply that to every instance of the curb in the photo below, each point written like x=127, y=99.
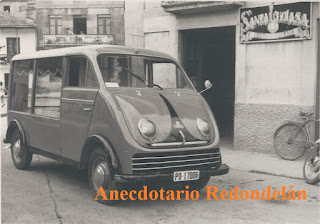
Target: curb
x=262, y=163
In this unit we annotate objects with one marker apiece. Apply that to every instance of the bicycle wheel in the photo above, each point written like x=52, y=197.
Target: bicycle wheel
x=290, y=141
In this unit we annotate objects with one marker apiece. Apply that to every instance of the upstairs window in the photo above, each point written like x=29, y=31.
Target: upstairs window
x=104, y=24
x=55, y=24
x=6, y=8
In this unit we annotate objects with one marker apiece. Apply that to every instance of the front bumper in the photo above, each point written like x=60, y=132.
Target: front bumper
x=223, y=169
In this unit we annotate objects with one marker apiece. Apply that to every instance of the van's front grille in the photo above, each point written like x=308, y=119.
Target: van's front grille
x=168, y=162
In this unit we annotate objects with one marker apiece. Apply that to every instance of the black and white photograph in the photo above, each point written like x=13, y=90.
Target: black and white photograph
x=150, y=111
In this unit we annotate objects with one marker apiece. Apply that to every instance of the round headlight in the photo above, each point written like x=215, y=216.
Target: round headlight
x=203, y=127
x=147, y=129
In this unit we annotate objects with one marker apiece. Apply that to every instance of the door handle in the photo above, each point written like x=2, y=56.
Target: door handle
x=88, y=109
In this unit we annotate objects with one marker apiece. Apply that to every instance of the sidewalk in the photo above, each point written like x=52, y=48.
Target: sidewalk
x=260, y=162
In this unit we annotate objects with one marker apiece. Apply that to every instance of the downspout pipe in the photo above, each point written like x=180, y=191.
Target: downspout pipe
x=317, y=104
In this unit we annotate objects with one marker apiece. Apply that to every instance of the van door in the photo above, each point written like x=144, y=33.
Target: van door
x=44, y=128
x=78, y=97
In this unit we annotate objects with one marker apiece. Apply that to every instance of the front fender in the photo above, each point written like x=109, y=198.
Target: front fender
x=94, y=140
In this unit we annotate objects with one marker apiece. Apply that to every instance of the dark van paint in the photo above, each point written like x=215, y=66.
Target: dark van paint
x=108, y=118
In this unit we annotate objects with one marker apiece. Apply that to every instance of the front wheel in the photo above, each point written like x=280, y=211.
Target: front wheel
x=101, y=174
x=290, y=141
x=311, y=167
x=21, y=157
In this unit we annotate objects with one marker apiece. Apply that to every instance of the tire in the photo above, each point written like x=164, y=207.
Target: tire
x=286, y=149
x=311, y=167
x=100, y=173
x=21, y=157
x=199, y=184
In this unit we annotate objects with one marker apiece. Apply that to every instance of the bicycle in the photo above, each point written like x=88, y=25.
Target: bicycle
x=292, y=139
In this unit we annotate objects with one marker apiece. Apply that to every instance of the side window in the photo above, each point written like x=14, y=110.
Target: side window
x=21, y=92
x=81, y=73
x=48, y=87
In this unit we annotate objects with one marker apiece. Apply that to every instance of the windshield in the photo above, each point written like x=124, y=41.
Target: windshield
x=139, y=72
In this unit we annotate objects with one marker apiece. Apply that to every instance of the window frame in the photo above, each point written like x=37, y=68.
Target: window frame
x=55, y=18
x=150, y=70
x=10, y=87
x=17, y=46
x=34, y=84
x=104, y=18
x=67, y=67
x=6, y=8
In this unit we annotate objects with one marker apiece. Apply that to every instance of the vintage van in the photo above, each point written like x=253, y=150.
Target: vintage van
x=124, y=114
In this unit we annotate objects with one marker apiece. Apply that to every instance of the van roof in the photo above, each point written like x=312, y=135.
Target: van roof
x=113, y=49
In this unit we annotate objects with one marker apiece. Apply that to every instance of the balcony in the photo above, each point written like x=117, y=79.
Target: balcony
x=74, y=40
x=189, y=7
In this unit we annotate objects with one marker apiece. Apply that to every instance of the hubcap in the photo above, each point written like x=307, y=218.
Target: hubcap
x=99, y=175
x=17, y=151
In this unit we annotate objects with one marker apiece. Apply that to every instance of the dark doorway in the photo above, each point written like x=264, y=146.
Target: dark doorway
x=210, y=54
x=6, y=81
x=13, y=47
x=79, y=25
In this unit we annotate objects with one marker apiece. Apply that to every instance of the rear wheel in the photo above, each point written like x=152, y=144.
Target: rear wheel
x=290, y=141
x=101, y=174
x=21, y=157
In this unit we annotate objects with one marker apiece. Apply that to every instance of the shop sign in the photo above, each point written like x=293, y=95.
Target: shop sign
x=275, y=23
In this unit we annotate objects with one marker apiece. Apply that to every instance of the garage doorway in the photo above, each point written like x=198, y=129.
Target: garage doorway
x=210, y=54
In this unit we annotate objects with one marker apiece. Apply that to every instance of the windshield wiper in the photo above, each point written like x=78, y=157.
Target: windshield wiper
x=141, y=79
x=155, y=85
x=135, y=75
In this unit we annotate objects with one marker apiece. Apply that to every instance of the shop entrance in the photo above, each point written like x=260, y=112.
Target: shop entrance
x=210, y=54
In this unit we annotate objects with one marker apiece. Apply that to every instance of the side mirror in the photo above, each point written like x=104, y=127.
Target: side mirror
x=207, y=84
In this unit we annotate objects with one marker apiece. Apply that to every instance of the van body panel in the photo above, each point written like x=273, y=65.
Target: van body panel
x=147, y=105
x=114, y=113
x=160, y=107
x=76, y=111
x=35, y=126
x=108, y=121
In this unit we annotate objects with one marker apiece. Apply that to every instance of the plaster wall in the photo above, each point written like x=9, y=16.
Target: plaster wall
x=28, y=39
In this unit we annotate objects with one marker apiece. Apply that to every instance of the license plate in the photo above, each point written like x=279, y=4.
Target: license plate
x=186, y=175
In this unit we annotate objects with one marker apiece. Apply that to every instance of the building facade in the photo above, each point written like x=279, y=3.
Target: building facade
x=17, y=35
x=16, y=7
x=262, y=74
x=70, y=23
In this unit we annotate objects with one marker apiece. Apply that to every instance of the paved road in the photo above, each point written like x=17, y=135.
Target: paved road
x=51, y=192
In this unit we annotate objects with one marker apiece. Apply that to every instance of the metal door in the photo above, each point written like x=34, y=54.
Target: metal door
x=76, y=110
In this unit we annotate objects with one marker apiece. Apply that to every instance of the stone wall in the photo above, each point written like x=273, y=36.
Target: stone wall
x=255, y=124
